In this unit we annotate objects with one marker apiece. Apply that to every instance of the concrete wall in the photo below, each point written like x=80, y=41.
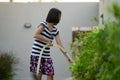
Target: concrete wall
x=104, y=4
x=14, y=37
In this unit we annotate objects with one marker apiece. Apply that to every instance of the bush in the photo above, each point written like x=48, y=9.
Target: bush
x=7, y=63
x=96, y=56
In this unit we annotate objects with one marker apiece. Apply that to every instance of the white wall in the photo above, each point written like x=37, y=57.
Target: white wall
x=103, y=9
x=14, y=37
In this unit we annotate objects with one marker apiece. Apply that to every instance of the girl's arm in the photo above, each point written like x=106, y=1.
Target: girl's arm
x=58, y=41
x=41, y=38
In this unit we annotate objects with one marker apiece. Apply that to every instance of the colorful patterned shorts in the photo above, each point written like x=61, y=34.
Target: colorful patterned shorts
x=46, y=66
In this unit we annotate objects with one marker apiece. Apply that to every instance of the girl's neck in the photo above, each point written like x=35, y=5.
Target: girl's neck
x=50, y=26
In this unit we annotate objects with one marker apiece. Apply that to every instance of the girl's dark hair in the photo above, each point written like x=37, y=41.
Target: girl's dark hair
x=53, y=16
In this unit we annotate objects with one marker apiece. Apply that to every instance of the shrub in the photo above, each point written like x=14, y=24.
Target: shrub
x=7, y=63
x=96, y=56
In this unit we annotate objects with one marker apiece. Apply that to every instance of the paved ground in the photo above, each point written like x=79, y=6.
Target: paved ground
x=69, y=78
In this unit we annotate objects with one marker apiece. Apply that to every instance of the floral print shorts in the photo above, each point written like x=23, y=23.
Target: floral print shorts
x=46, y=66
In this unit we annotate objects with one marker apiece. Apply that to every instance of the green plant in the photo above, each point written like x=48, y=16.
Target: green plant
x=96, y=54
x=83, y=55
x=95, y=19
x=7, y=63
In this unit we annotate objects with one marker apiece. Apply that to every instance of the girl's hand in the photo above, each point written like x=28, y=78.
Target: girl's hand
x=69, y=60
x=50, y=43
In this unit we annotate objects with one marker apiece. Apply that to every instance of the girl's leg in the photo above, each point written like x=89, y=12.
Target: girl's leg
x=49, y=77
x=39, y=77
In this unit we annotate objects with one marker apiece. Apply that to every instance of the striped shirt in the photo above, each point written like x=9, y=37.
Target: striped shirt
x=38, y=45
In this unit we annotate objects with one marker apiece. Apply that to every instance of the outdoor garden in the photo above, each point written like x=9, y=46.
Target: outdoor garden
x=96, y=54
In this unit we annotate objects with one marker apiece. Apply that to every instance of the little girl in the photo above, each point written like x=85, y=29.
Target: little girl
x=45, y=34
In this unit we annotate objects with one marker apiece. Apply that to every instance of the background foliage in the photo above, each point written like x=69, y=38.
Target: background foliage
x=96, y=54
x=7, y=65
